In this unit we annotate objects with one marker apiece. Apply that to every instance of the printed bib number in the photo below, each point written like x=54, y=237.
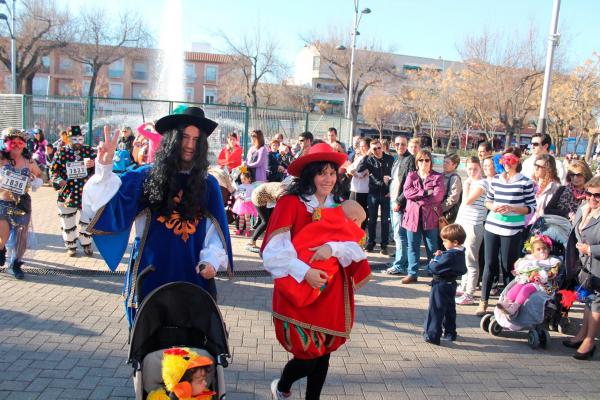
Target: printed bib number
x=76, y=170
x=13, y=182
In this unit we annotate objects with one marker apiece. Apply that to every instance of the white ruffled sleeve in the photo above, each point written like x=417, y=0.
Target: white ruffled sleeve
x=347, y=252
x=213, y=252
x=99, y=189
x=280, y=258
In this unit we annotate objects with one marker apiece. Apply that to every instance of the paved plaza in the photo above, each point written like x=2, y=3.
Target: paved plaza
x=63, y=336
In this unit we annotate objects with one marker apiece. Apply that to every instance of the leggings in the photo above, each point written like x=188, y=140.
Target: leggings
x=508, y=247
x=520, y=292
x=314, y=369
x=264, y=213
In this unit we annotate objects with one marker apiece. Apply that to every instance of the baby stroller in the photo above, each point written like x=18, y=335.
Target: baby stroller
x=177, y=314
x=542, y=310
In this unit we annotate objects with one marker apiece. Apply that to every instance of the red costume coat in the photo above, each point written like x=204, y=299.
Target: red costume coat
x=324, y=321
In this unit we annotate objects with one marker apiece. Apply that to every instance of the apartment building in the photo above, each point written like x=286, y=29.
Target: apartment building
x=128, y=77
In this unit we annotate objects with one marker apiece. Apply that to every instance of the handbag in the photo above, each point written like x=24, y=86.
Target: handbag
x=587, y=280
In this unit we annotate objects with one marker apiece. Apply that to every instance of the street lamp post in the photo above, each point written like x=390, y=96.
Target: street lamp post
x=357, y=19
x=13, y=41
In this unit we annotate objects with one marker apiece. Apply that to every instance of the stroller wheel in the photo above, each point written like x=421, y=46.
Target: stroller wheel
x=533, y=339
x=485, y=322
x=494, y=329
x=544, y=336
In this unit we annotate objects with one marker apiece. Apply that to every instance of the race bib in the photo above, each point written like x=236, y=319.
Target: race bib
x=14, y=182
x=76, y=170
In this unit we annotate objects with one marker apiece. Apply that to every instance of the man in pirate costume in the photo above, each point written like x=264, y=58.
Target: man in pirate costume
x=72, y=167
x=181, y=228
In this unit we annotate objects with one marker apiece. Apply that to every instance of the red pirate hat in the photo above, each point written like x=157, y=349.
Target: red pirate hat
x=318, y=152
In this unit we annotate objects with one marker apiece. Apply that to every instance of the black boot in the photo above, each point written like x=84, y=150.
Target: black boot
x=2, y=257
x=15, y=269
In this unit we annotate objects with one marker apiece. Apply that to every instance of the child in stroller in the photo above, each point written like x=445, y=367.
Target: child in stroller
x=529, y=301
x=534, y=272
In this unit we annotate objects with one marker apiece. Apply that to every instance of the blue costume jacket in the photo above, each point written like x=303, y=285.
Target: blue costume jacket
x=167, y=250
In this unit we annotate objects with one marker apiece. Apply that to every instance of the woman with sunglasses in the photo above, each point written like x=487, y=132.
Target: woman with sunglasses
x=510, y=198
x=257, y=159
x=579, y=173
x=586, y=236
x=424, y=191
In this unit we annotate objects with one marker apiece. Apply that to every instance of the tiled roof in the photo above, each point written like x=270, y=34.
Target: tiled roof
x=208, y=57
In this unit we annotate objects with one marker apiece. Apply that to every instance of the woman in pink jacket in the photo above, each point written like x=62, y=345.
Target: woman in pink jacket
x=424, y=191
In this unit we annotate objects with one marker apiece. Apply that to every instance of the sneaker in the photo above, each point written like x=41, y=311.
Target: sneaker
x=384, y=251
x=465, y=300
x=277, y=395
x=451, y=337
x=72, y=252
x=494, y=291
x=407, y=280
x=253, y=248
x=238, y=232
x=248, y=234
x=459, y=292
x=428, y=340
x=394, y=271
x=369, y=248
x=15, y=270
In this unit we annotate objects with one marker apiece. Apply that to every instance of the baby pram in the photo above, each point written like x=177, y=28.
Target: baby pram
x=177, y=314
x=542, y=310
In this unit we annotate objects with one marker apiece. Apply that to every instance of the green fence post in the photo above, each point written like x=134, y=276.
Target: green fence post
x=306, y=122
x=245, y=135
x=23, y=111
x=90, y=119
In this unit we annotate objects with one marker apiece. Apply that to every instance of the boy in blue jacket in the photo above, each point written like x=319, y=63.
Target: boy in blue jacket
x=446, y=267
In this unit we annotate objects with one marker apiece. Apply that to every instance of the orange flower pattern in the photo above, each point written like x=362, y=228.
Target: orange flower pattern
x=178, y=225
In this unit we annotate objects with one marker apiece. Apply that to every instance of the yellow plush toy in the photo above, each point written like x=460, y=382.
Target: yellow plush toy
x=184, y=376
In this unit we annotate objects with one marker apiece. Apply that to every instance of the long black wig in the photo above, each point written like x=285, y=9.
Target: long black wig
x=163, y=184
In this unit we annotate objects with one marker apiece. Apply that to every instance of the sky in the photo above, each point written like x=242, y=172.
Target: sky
x=426, y=28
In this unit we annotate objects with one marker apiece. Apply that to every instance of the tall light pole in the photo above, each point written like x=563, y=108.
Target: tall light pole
x=13, y=41
x=552, y=44
x=357, y=18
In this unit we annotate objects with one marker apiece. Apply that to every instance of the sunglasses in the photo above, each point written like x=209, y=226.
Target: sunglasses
x=535, y=144
x=424, y=160
x=573, y=174
x=537, y=166
x=596, y=196
x=377, y=148
x=399, y=144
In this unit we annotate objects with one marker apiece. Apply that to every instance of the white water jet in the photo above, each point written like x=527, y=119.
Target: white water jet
x=170, y=85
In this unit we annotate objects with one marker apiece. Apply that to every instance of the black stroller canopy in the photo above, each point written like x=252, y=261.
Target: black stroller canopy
x=178, y=314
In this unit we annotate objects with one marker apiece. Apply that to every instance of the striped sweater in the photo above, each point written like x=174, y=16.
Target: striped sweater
x=517, y=191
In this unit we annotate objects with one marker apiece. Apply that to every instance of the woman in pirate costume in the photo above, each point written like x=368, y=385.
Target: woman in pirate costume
x=18, y=174
x=311, y=332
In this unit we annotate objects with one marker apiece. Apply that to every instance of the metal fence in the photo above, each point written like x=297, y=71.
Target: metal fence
x=55, y=113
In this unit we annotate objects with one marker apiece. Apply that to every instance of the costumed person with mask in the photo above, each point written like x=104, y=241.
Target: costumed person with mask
x=181, y=228
x=18, y=175
x=73, y=164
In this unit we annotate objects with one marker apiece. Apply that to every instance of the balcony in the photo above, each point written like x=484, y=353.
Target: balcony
x=140, y=75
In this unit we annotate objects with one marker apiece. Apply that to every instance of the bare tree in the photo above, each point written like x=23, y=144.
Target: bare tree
x=255, y=59
x=41, y=28
x=372, y=67
x=379, y=110
x=512, y=67
x=102, y=39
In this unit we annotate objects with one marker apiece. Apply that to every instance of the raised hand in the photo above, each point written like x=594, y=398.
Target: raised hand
x=106, y=148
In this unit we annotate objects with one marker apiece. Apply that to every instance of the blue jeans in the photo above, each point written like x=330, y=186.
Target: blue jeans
x=401, y=260
x=414, y=247
x=374, y=202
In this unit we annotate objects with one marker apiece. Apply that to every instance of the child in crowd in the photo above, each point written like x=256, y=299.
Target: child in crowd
x=329, y=226
x=446, y=267
x=534, y=272
x=186, y=375
x=243, y=206
x=121, y=159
